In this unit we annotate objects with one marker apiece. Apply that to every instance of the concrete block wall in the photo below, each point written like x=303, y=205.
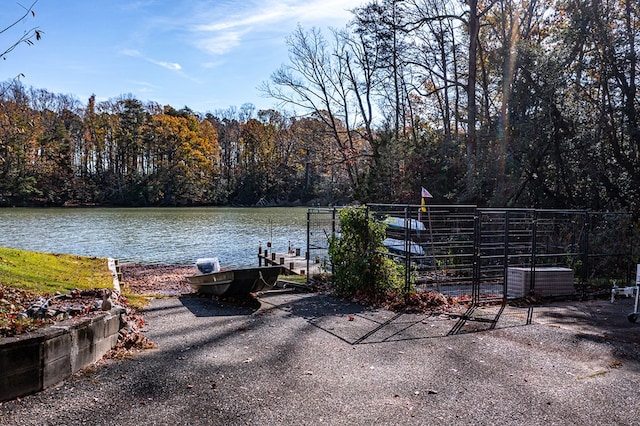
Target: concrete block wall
x=20, y=361
x=56, y=360
x=34, y=361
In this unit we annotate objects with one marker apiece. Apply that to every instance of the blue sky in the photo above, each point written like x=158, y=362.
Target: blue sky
x=204, y=54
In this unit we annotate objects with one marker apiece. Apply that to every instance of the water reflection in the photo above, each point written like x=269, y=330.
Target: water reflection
x=155, y=235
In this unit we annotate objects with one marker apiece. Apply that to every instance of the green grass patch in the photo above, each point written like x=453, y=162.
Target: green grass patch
x=300, y=279
x=47, y=273
x=138, y=301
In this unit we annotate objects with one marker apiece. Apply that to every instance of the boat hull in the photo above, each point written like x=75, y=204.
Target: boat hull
x=403, y=246
x=235, y=282
x=402, y=223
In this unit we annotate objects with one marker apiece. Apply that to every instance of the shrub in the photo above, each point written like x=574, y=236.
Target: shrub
x=357, y=254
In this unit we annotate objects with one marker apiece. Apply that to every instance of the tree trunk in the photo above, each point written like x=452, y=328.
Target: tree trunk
x=474, y=28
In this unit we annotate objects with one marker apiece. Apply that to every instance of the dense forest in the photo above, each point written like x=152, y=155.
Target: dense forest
x=511, y=103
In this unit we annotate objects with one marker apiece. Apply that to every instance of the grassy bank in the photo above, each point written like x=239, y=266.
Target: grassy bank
x=46, y=273
x=26, y=276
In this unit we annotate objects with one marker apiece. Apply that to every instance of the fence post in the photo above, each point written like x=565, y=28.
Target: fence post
x=587, y=228
x=333, y=234
x=475, y=281
x=505, y=280
x=534, y=248
x=407, y=251
x=308, y=243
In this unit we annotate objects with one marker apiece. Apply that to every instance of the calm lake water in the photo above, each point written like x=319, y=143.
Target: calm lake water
x=156, y=235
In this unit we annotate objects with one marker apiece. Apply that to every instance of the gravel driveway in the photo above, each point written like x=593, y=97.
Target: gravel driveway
x=306, y=359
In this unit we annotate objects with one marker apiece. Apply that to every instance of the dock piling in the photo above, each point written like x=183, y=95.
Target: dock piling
x=292, y=261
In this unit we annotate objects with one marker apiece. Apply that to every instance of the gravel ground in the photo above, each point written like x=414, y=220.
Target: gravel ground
x=301, y=359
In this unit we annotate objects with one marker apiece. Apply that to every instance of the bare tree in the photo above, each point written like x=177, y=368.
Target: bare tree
x=27, y=38
x=321, y=80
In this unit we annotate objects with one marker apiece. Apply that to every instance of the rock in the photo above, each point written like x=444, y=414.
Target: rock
x=106, y=301
x=73, y=311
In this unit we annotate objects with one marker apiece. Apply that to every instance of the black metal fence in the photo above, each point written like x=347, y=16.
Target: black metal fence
x=322, y=223
x=493, y=254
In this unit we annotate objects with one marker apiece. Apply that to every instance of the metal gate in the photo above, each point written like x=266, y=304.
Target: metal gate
x=490, y=255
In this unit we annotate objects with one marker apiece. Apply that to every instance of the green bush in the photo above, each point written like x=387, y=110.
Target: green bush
x=357, y=254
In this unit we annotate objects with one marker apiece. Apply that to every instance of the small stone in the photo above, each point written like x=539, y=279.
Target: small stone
x=74, y=311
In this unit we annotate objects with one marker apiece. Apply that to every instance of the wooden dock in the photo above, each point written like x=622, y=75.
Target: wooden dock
x=293, y=262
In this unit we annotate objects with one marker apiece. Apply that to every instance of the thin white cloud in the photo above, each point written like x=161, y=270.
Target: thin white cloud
x=317, y=11
x=221, y=43
x=240, y=21
x=212, y=64
x=173, y=66
x=221, y=30
x=130, y=52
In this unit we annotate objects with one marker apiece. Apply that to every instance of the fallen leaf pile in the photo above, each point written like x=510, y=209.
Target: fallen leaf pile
x=162, y=280
x=417, y=302
x=131, y=337
x=422, y=302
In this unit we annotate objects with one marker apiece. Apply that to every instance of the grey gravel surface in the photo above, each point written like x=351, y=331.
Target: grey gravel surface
x=306, y=359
